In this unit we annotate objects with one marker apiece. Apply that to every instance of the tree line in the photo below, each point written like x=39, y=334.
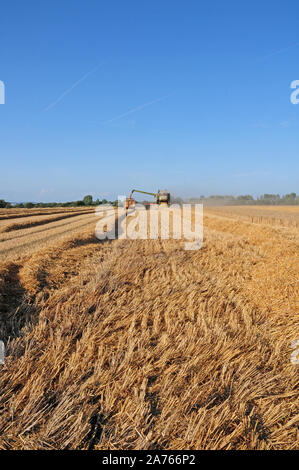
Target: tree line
x=265, y=199
x=86, y=201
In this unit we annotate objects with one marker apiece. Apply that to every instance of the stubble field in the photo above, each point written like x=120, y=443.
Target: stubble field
x=139, y=344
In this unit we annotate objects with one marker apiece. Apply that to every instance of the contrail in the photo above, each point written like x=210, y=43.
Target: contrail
x=66, y=92
x=134, y=110
x=280, y=51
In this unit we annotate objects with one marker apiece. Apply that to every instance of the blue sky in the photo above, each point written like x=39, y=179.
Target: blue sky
x=192, y=96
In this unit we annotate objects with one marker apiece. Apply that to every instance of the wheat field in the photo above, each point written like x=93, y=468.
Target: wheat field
x=139, y=344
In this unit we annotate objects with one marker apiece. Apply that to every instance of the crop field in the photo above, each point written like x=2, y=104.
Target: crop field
x=273, y=215
x=140, y=344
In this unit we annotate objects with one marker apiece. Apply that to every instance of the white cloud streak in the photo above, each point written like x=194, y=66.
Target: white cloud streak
x=66, y=92
x=134, y=110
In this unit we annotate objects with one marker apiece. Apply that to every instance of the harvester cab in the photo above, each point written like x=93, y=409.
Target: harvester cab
x=163, y=197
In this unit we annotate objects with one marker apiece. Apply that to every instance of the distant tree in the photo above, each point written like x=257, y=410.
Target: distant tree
x=2, y=203
x=247, y=199
x=87, y=200
x=8, y=205
x=290, y=199
x=29, y=205
x=273, y=199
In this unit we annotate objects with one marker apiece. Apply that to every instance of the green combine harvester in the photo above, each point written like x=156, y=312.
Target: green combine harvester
x=161, y=197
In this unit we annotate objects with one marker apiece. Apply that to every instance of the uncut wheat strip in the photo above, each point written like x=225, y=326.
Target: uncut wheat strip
x=277, y=267
x=258, y=235
x=254, y=210
x=288, y=216
x=261, y=220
